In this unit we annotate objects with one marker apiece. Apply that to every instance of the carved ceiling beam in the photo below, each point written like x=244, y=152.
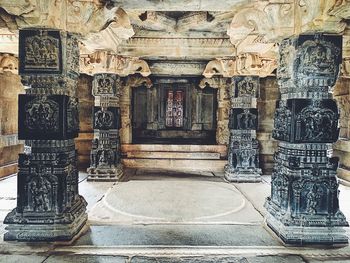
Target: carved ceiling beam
x=157, y=21
x=101, y=26
x=193, y=20
x=104, y=62
x=243, y=64
x=189, y=48
x=8, y=62
x=276, y=20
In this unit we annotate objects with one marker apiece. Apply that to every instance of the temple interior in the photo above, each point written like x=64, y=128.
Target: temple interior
x=174, y=131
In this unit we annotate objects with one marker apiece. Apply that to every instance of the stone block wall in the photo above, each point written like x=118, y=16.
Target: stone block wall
x=86, y=132
x=10, y=146
x=341, y=94
x=266, y=106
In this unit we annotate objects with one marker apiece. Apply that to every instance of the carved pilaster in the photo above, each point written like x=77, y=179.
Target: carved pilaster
x=105, y=161
x=243, y=147
x=304, y=207
x=223, y=99
x=49, y=207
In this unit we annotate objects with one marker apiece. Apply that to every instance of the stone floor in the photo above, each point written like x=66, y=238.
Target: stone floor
x=160, y=216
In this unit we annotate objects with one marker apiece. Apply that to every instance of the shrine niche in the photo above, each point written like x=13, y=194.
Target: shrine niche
x=172, y=109
x=243, y=147
x=303, y=207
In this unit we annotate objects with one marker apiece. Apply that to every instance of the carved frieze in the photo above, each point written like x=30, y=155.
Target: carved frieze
x=306, y=120
x=105, y=62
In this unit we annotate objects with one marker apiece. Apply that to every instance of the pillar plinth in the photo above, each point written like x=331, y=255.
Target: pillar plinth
x=49, y=207
x=304, y=205
x=243, y=148
x=105, y=157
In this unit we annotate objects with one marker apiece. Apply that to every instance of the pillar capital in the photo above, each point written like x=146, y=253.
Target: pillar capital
x=105, y=62
x=243, y=64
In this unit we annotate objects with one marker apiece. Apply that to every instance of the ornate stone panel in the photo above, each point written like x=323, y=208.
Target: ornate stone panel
x=304, y=207
x=49, y=207
x=243, y=148
x=47, y=117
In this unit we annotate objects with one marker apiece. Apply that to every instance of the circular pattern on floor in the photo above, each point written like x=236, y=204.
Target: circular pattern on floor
x=174, y=200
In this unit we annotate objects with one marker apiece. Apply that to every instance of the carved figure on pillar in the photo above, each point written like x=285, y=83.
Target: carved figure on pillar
x=243, y=148
x=105, y=161
x=49, y=207
x=304, y=207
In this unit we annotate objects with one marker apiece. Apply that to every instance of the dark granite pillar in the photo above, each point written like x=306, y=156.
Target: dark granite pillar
x=49, y=207
x=105, y=163
x=243, y=148
x=304, y=207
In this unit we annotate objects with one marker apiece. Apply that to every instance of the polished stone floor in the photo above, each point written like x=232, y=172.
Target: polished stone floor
x=164, y=216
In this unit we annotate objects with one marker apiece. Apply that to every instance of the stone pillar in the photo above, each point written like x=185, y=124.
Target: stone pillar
x=304, y=207
x=49, y=207
x=105, y=160
x=243, y=148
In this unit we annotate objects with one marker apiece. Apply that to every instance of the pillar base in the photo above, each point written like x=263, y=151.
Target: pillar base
x=243, y=175
x=306, y=229
x=303, y=235
x=110, y=174
x=29, y=228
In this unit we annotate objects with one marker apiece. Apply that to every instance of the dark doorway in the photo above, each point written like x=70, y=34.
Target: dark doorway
x=175, y=111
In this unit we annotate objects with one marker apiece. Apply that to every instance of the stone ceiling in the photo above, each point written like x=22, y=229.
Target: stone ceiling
x=184, y=37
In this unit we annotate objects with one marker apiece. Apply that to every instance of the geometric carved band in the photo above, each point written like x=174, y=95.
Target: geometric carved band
x=306, y=121
x=54, y=117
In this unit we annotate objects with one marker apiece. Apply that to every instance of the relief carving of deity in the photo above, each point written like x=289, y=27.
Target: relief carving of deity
x=41, y=52
x=247, y=88
x=104, y=85
x=103, y=119
x=318, y=58
x=246, y=120
x=317, y=122
x=40, y=189
x=42, y=114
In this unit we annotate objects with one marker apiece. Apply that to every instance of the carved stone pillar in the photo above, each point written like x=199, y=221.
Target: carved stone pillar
x=304, y=207
x=49, y=207
x=243, y=148
x=105, y=163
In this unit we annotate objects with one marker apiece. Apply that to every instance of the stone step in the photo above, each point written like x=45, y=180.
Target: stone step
x=174, y=155
x=176, y=164
x=221, y=149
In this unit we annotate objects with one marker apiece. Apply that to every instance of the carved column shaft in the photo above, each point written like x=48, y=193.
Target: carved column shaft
x=105, y=163
x=304, y=207
x=49, y=206
x=243, y=148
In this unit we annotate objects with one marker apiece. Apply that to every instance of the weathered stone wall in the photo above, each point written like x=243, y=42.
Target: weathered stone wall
x=269, y=93
x=10, y=87
x=86, y=133
x=341, y=148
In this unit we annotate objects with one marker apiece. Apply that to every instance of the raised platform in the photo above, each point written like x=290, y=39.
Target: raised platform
x=175, y=157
